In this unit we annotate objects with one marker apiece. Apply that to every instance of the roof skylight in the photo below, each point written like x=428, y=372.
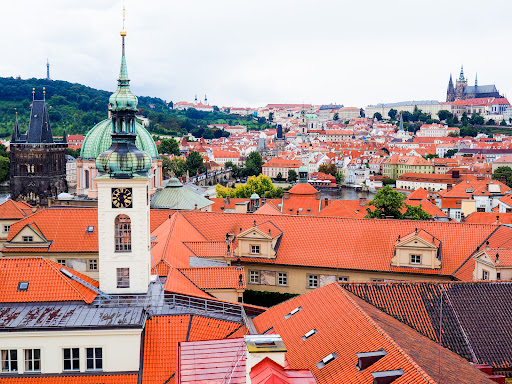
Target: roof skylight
x=293, y=312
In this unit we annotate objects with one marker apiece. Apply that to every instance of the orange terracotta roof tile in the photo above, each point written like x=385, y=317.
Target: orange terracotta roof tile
x=489, y=218
x=368, y=243
x=162, y=335
x=216, y=277
x=303, y=189
x=104, y=378
x=45, y=282
x=177, y=282
x=344, y=327
x=11, y=209
x=203, y=328
x=66, y=228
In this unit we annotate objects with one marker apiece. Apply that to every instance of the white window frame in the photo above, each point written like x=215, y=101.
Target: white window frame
x=255, y=248
x=123, y=277
x=8, y=360
x=282, y=279
x=31, y=360
x=313, y=281
x=485, y=275
x=415, y=259
x=342, y=279
x=7, y=228
x=61, y=261
x=73, y=359
x=90, y=262
x=254, y=277
x=28, y=239
x=94, y=359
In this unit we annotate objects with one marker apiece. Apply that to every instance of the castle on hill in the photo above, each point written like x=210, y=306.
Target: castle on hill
x=463, y=91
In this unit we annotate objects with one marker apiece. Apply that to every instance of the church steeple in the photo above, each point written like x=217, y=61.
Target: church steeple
x=16, y=130
x=123, y=159
x=450, y=93
x=461, y=76
x=476, y=80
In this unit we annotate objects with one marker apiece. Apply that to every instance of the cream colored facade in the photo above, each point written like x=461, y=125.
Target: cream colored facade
x=120, y=348
x=5, y=225
x=256, y=243
x=298, y=277
x=487, y=269
x=418, y=249
x=137, y=260
x=431, y=106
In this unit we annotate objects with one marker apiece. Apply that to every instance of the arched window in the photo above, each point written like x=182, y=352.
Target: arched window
x=86, y=179
x=123, y=233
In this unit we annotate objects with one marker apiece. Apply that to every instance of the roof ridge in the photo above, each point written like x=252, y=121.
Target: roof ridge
x=420, y=370
x=53, y=265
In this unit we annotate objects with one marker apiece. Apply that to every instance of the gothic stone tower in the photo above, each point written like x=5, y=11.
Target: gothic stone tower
x=460, y=85
x=38, y=164
x=123, y=199
x=450, y=93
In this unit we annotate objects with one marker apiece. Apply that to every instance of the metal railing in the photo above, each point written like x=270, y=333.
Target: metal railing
x=205, y=305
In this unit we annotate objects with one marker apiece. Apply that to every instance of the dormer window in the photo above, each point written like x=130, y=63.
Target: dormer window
x=255, y=249
x=23, y=286
x=28, y=239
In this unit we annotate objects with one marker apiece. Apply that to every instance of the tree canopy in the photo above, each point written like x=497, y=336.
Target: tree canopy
x=194, y=163
x=329, y=169
x=261, y=185
x=253, y=164
x=503, y=174
x=169, y=147
x=292, y=176
x=390, y=203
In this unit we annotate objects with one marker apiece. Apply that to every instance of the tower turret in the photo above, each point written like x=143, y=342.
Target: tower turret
x=123, y=198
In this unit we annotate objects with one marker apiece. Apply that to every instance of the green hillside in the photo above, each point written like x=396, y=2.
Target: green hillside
x=77, y=108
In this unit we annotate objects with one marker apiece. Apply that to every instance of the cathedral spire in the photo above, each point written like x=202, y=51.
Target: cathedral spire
x=476, y=80
x=16, y=130
x=461, y=76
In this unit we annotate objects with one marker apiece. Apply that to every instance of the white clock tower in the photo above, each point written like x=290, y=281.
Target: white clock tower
x=123, y=199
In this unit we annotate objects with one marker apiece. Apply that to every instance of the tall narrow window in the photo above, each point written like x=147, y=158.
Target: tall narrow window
x=123, y=277
x=32, y=360
x=86, y=179
x=71, y=359
x=9, y=360
x=123, y=233
x=94, y=358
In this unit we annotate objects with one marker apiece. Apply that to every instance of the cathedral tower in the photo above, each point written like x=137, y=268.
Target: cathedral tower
x=450, y=93
x=461, y=85
x=123, y=198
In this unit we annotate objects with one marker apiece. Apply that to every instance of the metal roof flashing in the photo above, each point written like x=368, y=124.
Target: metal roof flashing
x=264, y=343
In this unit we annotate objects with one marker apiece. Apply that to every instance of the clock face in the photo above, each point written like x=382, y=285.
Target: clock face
x=121, y=197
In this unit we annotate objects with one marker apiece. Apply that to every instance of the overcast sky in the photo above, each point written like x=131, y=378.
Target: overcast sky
x=254, y=52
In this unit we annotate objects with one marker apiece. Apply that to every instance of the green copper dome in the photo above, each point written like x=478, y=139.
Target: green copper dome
x=99, y=139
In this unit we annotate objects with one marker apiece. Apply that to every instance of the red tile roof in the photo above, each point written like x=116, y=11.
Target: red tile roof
x=162, y=335
x=489, y=218
x=11, y=209
x=303, y=189
x=104, y=378
x=66, y=229
x=344, y=328
x=368, y=244
x=45, y=282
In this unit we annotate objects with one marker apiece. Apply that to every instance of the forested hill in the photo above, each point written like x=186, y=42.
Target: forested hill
x=77, y=108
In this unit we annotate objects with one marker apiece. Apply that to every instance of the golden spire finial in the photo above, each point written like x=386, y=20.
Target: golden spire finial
x=123, y=31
